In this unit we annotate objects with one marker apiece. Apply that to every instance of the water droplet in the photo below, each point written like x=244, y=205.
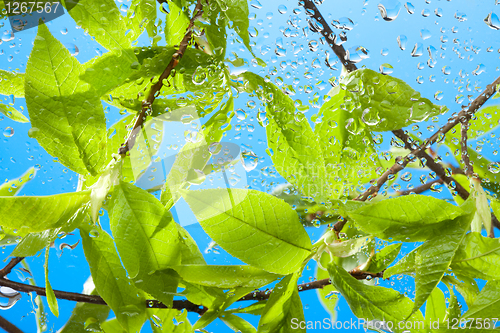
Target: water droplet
x=425, y=34
x=406, y=176
x=426, y=13
x=402, y=42
x=446, y=70
x=418, y=50
x=249, y=160
x=494, y=167
x=72, y=48
x=492, y=21
x=282, y=9
x=409, y=8
x=389, y=10
x=199, y=76
x=438, y=12
x=240, y=114
x=215, y=148
x=343, y=23
x=8, y=132
x=64, y=31
x=11, y=295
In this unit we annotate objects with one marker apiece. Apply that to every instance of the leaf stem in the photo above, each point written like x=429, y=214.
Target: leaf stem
x=421, y=188
x=154, y=91
x=468, y=169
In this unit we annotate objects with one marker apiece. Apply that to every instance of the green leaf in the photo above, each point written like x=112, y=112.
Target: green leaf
x=238, y=324
x=404, y=266
x=382, y=259
x=283, y=305
x=51, y=297
x=195, y=155
x=145, y=234
x=226, y=276
x=66, y=114
x=349, y=152
x=236, y=12
x=177, y=22
x=111, y=280
x=328, y=295
x=257, y=228
x=215, y=31
x=296, y=152
x=142, y=15
x=385, y=103
x=373, y=302
x=408, y=218
x=33, y=214
x=190, y=253
x=11, y=187
x=162, y=285
x=169, y=321
x=13, y=114
x=86, y=316
x=467, y=288
x=112, y=326
x=433, y=258
x=478, y=257
x=103, y=21
x=253, y=309
x=435, y=308
x=487, y=303
x=11, y=83
x=34, y=242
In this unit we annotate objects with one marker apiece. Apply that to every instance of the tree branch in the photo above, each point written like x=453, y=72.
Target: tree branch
x=318, y=284
x=8, y=327
x=94, y=299
x=421, y=188
x=326, y=31
x=468, y=170
x=154, y=91
x=8, y=268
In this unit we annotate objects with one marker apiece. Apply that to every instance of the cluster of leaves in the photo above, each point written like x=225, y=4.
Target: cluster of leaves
x=327, y=164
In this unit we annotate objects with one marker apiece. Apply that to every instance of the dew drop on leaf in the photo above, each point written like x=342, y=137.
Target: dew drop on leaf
x=494, y=167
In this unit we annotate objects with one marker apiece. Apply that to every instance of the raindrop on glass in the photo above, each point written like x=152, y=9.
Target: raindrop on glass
x=494, y=167
x=8, y=132
x=249, y=160
x=402, y=42
x=418, y=50
x=409, y=8
x=492, y=21
x=389, y=10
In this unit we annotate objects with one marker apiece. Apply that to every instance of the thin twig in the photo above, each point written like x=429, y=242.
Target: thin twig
x=318, y=284
x=95, y=299
x=326, y=31
x=468, y=170
x=8, y=268
x=154, y=91
x=8, y=327
x=421, y=188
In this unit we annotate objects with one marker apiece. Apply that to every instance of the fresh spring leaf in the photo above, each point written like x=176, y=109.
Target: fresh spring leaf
x=373, y=302
x=408, y=218
x=328, y=295
x=162, y=285
x=11, y=187
x=86, y=316
x=283, y=306
x=194, y=156
x=478, y=257
x=145, y=234
x=296, y=152
x=33, y=214
x=483, y=213
x=216, y=31
x=51, y=297
x=380, y=260
x=349, y=152
x=176, y=24
x=190, y=253
x=111, y=281
x=435, y=308
x=236, y=12
x=347, y=248
x=226, y=276
x=385, y=103
x=487, y=304
x=467, y=288
x=431, y=260
x=142, y=15
x=238, y=324
x=11, y=83
x=66, y=114
x=257, y=228
x=103, y=21
x=13, y=113
x=169, y=321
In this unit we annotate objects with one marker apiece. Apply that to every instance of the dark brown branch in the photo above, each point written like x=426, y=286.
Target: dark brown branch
x=318, y=284
x=421, y=188
x=8, y=327
x=154, y=91
x=431, y=164
x=8, y=268
x=326, y=31
x=468, y=170
x=94, y=299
